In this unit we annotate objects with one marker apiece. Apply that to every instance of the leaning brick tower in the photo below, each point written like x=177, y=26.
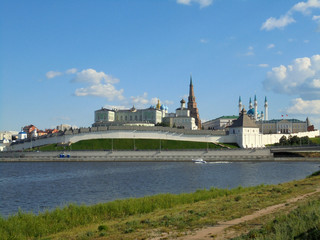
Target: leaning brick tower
x=192, y=105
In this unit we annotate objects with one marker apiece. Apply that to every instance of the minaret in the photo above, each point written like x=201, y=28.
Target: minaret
x=265, y=109
x=192, y=105
x=255, y=108
x=250, y=104
x=240, y=105
x=158, y=106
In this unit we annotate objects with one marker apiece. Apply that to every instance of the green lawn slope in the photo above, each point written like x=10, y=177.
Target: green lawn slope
x=134, y=144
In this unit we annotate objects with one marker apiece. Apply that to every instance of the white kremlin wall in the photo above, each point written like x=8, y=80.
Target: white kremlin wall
x=244, y=140
x=113, y=134
x=250, y=140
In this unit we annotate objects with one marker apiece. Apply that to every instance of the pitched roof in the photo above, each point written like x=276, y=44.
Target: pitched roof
x=244, y=121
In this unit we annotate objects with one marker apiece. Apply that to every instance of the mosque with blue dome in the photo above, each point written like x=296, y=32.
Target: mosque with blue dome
x=253, y=111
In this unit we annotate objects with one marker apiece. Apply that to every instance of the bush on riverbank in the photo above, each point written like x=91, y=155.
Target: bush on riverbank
x=295, y=141
x=134, y=144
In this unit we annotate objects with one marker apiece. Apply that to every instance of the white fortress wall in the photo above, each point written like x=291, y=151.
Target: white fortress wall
x=123, y=134
x=274, y=138
x=245, y=140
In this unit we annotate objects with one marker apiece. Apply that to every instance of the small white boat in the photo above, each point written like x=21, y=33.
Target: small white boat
x=198, y=160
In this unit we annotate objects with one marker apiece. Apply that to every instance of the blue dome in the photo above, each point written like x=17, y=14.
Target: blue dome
x=22, y=133
x=251, y=112
x=162, y=107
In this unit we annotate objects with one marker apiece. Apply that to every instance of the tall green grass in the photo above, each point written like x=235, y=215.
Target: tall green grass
x=301, y=224
x=29, y=225
x=315, y=140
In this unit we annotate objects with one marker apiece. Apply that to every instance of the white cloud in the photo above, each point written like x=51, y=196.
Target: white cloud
x=168, y=102
x=53, y=74
x=154, y=101
x=316, y=18
x=71, y=71
x=315, y=83
x=138, y=100
x=115, y=107
x=100, y=85
x=300, y=106
x=303, y=7
x=272, y=23
x=101, y=90
x=202, y=3
x=263, y=65
x=92, y=76
x=300, y=78
x=271, y=45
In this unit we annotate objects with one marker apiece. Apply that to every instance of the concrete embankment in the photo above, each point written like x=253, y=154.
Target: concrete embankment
x=236, y=155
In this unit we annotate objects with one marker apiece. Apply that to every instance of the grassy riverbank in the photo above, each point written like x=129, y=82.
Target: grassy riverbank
x=165, y=214
x=134, y=144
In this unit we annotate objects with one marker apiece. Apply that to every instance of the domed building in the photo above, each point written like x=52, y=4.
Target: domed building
x=253, y=112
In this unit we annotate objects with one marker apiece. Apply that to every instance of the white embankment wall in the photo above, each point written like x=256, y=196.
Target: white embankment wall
x=114, y=134
x=244, y=140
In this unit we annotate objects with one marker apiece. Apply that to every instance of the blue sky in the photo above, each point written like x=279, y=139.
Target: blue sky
x=62, y=60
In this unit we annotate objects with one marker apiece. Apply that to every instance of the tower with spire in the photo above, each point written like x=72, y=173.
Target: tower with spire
x=266, y=109
x=250, y=104
x=192, y=105
x=240, y=105
x=255, y=108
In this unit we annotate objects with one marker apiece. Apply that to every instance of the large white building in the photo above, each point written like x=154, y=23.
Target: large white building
x=108, y=117
x=219, y=123
x=182, y=118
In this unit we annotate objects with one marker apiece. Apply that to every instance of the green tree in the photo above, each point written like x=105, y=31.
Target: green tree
x=294, y=140
x=283, y=140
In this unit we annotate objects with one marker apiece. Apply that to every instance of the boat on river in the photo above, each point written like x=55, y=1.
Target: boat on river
x=199, y=160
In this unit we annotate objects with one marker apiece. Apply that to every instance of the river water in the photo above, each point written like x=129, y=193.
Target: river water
x=36, y=186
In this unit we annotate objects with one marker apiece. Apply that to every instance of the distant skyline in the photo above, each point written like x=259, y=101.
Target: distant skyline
x=62, y=60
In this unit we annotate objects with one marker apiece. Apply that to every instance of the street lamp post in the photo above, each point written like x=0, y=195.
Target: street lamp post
x=112, y=145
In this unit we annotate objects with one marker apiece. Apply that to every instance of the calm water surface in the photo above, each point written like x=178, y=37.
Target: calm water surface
x=35, y=186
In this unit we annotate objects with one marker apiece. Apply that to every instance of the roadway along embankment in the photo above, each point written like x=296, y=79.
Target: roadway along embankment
x=237, y=155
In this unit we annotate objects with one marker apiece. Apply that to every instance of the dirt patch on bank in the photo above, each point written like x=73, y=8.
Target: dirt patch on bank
x=221, y=230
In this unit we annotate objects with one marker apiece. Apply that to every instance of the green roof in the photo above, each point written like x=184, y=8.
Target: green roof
x=228, y=117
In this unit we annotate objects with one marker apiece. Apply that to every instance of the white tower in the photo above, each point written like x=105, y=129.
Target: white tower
x=255, y=108
x=250, y=104
x=183, y=104
x=265, y=109
x=240, y=105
